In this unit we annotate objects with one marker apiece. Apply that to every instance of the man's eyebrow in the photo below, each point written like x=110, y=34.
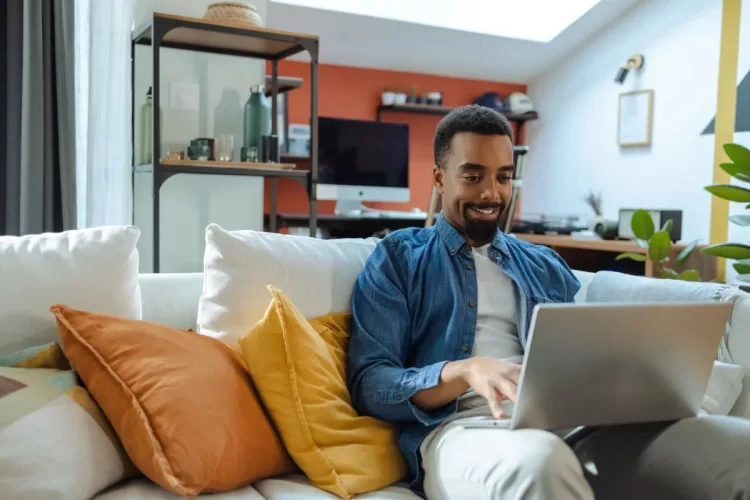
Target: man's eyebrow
x=477, y=167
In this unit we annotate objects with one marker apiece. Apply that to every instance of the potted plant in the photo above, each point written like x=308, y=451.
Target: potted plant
x=387, y=97
x=659, y=245
x=594, y=201
x=400, y=96
x=739, y=168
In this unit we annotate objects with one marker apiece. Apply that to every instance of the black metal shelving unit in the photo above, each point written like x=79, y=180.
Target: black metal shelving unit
x=200, y=35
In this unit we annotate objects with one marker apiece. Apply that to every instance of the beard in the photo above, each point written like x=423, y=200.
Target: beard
x=480, y=231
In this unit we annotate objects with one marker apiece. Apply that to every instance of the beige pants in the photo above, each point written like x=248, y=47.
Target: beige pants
x=491, y=464
x=706, y=458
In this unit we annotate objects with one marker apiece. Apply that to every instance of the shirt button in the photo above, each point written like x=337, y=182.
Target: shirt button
x=471, y=304
x=399, y=397
x=465, y=348
x=470, y=267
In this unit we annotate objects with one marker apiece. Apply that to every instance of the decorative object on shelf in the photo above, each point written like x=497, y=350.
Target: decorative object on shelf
x=605, y=229
x=175, y=155
x=635, y=116
x=435, y=98
x=659, y=218
x=399, y=97
x=249, y=154
x=635, y=62
x=224, y=147
x=270, y=149
x=739, y=168
x=257, y=118
x=146, y=123
x=234, y=12
x=411, y=98
x=201, y=149
x=387, y=97
x=299, y=139
x=659, y=248
x=594, y=201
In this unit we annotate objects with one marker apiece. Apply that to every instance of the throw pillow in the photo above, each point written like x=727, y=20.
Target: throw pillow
x=94, y=269
x=181, y=403
x=238, y=265
x=299, y=369
x=54, y=440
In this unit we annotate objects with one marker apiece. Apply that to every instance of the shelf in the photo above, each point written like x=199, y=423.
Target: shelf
x=201, y=35
x=286, y=83
x=232, y=168
x=432, y=109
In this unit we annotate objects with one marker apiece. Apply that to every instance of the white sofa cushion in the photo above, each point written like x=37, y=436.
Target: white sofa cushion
x=141, y=488
x=317, y=275
x=298, y=487
x=94, y=269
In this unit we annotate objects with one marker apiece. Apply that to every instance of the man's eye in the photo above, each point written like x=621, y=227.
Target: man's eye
x=472, y=178
x=505, y=178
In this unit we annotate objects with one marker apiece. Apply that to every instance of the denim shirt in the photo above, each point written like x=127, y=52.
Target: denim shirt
x=414, y=308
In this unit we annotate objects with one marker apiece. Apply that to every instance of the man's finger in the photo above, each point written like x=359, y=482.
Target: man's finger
x=494, y=399
x=507, y=387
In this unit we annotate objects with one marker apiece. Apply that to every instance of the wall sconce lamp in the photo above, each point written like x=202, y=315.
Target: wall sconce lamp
x=635, y=62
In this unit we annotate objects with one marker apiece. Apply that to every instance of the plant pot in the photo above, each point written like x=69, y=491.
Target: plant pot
x=435, y=98
x=388, y=98
x=400, y=98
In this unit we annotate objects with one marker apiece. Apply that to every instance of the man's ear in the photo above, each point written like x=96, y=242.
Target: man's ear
x=437, y=178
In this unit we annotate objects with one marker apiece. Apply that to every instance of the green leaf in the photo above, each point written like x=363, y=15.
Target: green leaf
x=740, y=219
x=738, y=153
x=638, y=257
x=742, y=267
x=733, y=251
x=739, y=172
x=667, y=227
x=689, y=275
x=669, y=273
x=729, y=192
x=685, y=253
x=659, y=246
x=643, y=225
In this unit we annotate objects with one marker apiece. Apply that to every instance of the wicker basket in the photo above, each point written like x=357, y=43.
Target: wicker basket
x=233, y=12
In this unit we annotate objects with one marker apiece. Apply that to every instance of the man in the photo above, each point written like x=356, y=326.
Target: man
x=440, y=321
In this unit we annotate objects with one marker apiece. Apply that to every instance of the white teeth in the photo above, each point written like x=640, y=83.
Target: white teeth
x=486, y=211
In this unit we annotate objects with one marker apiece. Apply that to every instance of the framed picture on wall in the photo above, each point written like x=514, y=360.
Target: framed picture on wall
x=635, y=118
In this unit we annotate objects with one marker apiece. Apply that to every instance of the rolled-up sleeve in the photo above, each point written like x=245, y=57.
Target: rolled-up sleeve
x=380, y=383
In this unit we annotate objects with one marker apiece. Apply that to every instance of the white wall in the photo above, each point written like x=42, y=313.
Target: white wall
x=573, y=146
x=190, y=202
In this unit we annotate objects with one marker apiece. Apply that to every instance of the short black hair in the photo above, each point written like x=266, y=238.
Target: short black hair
x=471, y=118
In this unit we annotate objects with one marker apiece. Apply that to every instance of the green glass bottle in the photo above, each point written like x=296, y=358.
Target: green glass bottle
x=257, y=119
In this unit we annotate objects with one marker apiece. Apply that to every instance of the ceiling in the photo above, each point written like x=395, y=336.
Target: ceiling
x=355, y=40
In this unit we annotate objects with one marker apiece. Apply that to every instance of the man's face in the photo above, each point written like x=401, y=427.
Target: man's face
x=476, y=184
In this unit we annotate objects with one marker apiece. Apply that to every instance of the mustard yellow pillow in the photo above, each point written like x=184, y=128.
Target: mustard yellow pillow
x=299, y=370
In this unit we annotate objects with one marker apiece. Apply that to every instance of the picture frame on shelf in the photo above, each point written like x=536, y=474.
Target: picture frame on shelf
x=635, y=117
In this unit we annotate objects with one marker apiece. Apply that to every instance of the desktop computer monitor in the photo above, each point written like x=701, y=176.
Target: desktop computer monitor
x=361, y=160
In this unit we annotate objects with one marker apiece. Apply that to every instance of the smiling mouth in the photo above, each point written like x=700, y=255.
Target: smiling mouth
x=485, y=213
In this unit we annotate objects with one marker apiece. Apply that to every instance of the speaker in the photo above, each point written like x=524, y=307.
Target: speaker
x=659, y=217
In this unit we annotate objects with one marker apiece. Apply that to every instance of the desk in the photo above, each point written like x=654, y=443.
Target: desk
x=596, y=255
x=345, y=226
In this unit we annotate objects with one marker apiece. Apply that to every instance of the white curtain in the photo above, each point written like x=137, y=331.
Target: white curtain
x=103, y=108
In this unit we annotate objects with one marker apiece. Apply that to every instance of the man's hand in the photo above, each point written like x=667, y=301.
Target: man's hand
x=492, y=379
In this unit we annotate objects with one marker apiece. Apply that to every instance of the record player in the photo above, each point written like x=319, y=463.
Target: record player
x=548, y=224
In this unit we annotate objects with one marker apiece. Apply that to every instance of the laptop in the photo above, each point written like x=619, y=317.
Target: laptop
x=606, y=364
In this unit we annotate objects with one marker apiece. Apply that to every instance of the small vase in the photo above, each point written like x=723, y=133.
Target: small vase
x=387, y=98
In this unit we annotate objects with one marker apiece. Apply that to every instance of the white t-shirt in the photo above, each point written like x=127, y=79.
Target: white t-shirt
x=496, y=333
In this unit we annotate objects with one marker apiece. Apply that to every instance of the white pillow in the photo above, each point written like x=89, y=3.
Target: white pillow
x=317, y=275
x=93, y=269
x=724, y=388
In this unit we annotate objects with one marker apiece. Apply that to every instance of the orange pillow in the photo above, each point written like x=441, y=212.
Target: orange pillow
x=181, y=403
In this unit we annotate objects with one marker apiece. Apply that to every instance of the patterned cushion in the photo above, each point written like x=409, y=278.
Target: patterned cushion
x=54, y=440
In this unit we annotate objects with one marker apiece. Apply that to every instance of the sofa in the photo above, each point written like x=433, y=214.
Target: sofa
x=319, y=276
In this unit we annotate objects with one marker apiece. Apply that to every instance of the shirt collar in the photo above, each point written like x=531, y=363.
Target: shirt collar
x=455, y=240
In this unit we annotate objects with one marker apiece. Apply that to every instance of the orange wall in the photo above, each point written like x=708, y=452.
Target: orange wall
x=349, y=92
